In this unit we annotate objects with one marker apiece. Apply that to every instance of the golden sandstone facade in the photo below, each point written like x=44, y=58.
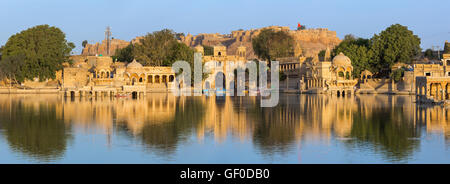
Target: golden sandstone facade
x=333, y=77
x=219, y=64
x=100, y=76
x=433, y=80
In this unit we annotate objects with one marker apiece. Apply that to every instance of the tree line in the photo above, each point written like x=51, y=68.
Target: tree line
x=379, y=53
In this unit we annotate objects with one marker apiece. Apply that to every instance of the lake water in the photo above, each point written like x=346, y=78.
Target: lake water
x=162, y=128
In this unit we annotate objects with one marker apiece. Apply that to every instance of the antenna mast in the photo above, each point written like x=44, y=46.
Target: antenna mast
x=108, y=40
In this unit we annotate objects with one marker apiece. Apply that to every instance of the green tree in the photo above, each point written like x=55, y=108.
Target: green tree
x=429, y=54
x=357, y=49
x=124, y=54
x=161, y=48
x=35, y=130
x=397, y=74
x=322, y=53
x=10, y=67
x=44, y=49
x=1, y=50
x=395, y=44
x=270, y=44
x=84, y=43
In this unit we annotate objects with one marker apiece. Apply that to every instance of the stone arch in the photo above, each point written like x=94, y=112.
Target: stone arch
x=134, y=78
x=157, y=79
x=171, y=78
x=207, y=85
x=447, y=91
x=164, y=78
x=150, y=79
x=347, y=75
x=142, y=78
x=340, y=75
x=220, y=80
x=349, y=69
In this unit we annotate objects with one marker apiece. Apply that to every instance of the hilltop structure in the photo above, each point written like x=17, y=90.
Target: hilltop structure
x=309, y=42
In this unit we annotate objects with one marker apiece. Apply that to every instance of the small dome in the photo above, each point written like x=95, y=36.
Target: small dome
x=341, y=60
x=134, y=64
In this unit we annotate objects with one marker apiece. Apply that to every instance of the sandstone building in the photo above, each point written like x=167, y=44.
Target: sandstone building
x=433, y=80
x=220, y=65
x=333, y=77
x=100, y=76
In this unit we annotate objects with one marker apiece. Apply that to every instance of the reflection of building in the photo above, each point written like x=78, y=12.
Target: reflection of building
x=436, y=119
x=92, y=75
x=106, y=115
x=333, y=77
x=222, y=119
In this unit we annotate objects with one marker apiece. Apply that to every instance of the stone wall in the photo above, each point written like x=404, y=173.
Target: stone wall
x=309, y=42
x=100, y=48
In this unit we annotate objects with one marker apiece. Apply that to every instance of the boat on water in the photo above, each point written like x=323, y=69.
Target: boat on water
x=123, y=95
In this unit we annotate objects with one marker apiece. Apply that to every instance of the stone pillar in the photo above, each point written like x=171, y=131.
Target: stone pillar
x=443, y=90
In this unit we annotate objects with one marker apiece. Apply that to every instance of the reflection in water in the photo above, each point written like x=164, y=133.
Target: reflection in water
x=391, y=129
x=388, y=126
x=34, y=128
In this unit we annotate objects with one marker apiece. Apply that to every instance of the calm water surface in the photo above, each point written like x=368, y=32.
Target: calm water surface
x=162, y=128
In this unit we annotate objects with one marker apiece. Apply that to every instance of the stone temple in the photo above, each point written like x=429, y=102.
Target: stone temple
x=333, y=77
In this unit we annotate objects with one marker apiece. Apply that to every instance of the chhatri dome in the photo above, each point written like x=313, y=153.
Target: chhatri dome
x=134, y=64
x=341, y=60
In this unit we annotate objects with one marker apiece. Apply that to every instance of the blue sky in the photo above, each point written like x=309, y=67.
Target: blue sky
x=87, y=19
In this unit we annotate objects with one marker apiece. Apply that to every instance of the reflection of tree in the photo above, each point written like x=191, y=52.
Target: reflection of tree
x=164, y=137
x=387, y=130
x=36, y=131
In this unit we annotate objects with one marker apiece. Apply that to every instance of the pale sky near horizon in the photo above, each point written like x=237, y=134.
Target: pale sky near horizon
x=87, y=19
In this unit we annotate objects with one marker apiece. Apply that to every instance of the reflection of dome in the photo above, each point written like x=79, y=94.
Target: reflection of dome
x=341, y=60
x=134, y=64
